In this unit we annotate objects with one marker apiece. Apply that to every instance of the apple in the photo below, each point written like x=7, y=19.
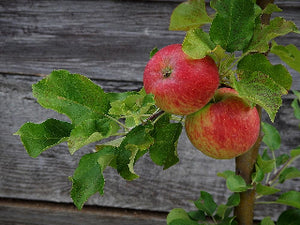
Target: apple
x=180, y=85
x=226, y=127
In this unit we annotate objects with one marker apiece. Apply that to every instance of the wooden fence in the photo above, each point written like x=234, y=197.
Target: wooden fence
x=109, y=41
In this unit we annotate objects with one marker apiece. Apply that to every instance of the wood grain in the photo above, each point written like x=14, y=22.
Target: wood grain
x=101, y=39
x=108, y=41
x=45, y=178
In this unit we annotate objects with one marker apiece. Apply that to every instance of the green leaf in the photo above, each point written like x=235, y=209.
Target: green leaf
x=226, y=174
x=206, y=203
x=223, y=211
x=259, y=63
x=179, y=216
x=289, y=173
x=71, y=94
x=197, y=44
x=291, y=198
x=267, y=221
x=295, y=104
x=232, y=28
x=88, y=178
x=37, y=138
x=289, y=54
x=266, y=166
x=260, y=89
x=164, y=150
x=91, y=131
x=233, y=200
x=153, y=52
x=266, y=190
x=258, y=175
x=197, y=215
x=134, y=106
x=189, y=15
x=271, y=136
x=290, y=217
x=282, y=159
x=134, y=145
x=295, y=152
x=270, y=8
x=263, y=34
x=265, y=155
x=236, y=183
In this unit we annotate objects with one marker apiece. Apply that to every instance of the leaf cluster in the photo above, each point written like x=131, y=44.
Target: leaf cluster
x=207, y=212
x=125, y=126
x=238, y=42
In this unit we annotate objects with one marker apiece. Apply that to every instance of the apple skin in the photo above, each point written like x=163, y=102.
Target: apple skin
x=180, y=85
x=224, y=129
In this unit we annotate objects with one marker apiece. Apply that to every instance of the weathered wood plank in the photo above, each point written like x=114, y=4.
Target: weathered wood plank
x=43, y=213
x=102, y=39
x=45, y=178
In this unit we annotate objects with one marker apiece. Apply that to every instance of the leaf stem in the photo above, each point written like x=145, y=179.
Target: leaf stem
x=117, y=121
x=279, y=171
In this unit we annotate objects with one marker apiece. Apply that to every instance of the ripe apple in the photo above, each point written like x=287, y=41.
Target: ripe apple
x=226, y=127
x=180, y=85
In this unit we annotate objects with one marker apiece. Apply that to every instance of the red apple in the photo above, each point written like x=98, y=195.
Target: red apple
x=180, y=85
x=224, y=128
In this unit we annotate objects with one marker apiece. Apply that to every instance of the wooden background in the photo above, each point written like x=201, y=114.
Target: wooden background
x=109, y=41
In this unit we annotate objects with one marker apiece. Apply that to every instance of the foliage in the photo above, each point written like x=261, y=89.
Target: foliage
x=125, y=126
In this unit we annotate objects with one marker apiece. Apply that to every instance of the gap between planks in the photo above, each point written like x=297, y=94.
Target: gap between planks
x=87, y=209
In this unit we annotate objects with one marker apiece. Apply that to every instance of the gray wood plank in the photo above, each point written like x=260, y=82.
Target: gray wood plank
x=43, y=213
x=46, y=178
x=102, y=39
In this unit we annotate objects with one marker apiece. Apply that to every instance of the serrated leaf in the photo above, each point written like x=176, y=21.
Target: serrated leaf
x=236, y=183
x=134, y=106
x=260, y=89
x=267, y=221
x=263, y=34
x=266, y=190
x=179, y=216
x=206, y=203
x=91, y=131
x=259, y=63
x=223, y=61
x=37, y=138
x=197, y=44
x=291, y=198
x=266, y=166
x=258, y=175
x=271, y=8
x=290, y=217
x=271, y=136
x=71, y=94
x=133, y=146
x=189, y=15
x=164, y=150
x=289, y=54
x=289, y=173
x=88, y=178
x=232, y=28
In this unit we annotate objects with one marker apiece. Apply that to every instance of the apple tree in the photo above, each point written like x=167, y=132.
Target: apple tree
x=215, y=84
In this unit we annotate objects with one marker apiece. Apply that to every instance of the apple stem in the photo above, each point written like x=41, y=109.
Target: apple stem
x=245, y=164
